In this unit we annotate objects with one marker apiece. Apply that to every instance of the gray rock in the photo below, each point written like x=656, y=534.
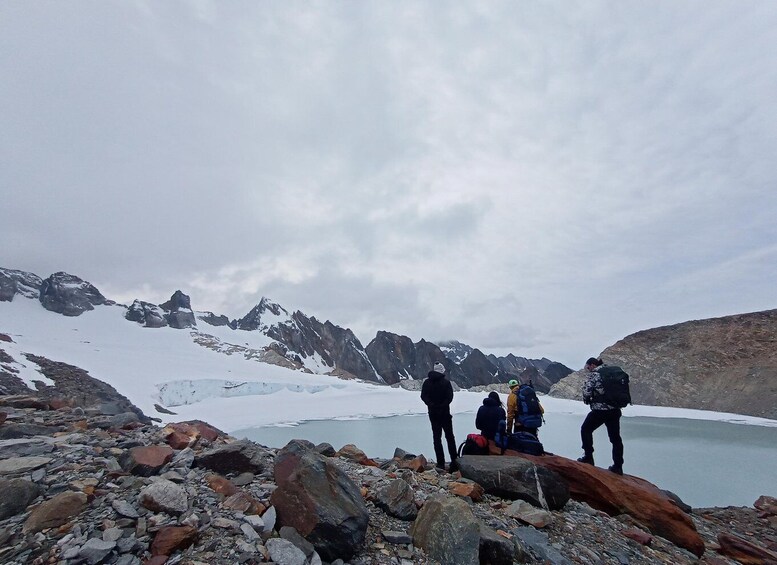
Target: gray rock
x=397, y=538
x=537, y=543
x=494, y=549
x=95, y=550
x=396, y=499
x=249, y=532
x=283, y=552
x=289, y=533
x=121, y=420
x=13, y=282
x=14, y=431
x=112, y=534
x=17, y=465
x=237, y=457
x=447, y=531
x=128, y=560
x=164, y=496
x=16, y=495
x=516, y=478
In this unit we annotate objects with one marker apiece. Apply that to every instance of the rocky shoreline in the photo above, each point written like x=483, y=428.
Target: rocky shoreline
x=78, y=485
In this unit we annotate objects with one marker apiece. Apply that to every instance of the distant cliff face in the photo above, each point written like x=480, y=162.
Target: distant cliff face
x=724, y=364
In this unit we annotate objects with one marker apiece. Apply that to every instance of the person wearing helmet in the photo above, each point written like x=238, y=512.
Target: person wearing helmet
x=512, y=404
x=528, y=418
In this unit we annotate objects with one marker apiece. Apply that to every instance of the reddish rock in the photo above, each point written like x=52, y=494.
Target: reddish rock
x=744, y=551
x=3, y=416
x=638, y=536
x=7, y=338
x=417, y=464
x=616, y=494
x=472, y=490
x=146, y=460
x=156, y=560
x=353, y=453
x=767, y=504
x=177, y=440
x=220, y=485
x=245, y=503
x=205, y=430
x=173, y=538
x=55, y=512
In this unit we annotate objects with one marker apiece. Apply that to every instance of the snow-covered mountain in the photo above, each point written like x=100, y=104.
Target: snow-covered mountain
x=291, y=340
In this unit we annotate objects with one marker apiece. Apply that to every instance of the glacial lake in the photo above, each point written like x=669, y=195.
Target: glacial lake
x=706, y=463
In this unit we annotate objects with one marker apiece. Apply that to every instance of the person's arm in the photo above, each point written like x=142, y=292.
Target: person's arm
x=448, y=392
x=512, y=406
x=425, y=393
x=479, y=419
x=588, y=390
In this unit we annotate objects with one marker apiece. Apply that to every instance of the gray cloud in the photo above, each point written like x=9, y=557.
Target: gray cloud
x=541, y=178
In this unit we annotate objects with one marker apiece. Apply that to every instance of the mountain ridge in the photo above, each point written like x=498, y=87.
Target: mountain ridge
x=302, y=340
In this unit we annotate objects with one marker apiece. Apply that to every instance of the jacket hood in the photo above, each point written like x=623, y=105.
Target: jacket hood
x=434, y=375
x=491, y=402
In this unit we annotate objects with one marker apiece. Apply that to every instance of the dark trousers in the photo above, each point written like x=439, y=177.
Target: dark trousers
x=612, y=420
x=443, y=423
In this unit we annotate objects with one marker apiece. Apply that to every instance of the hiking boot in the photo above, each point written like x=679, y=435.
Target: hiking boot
x=440, y=468
x=586, y=459
x=454, y=467
x=617, y=469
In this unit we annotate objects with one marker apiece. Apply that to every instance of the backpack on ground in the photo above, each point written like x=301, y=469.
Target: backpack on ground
x=615, y=382
x=475, y=444
x=525, y=443
x=529, y=413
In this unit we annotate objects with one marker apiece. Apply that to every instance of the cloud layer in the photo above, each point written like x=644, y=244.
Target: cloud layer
x=537, y=178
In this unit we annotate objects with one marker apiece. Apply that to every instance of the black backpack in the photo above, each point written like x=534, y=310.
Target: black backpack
x=525, y=443
x=615, y=382
x=529, y=412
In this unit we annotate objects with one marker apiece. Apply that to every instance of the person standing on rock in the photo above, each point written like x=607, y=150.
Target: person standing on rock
x=437, y=394
x=489, y=415
x=601, y=413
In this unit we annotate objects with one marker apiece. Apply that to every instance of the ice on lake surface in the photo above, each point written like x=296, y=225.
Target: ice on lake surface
x=706, y=463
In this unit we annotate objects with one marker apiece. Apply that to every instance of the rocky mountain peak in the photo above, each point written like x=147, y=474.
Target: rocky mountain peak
x=264, y=315
x=177, y=301
x=455, y=350
x=14, y=282
x=69, y=295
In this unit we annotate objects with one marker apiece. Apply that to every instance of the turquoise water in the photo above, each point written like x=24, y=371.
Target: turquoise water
x=706, y=463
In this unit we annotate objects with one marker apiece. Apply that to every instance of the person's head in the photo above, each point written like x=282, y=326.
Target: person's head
x=494, y=395
x=512, y=383
x=593, y=363
x=439, y=368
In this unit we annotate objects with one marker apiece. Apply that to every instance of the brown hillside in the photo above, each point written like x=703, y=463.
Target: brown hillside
x=726, y=364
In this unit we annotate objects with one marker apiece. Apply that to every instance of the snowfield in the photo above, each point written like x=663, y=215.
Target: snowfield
x=226, y=385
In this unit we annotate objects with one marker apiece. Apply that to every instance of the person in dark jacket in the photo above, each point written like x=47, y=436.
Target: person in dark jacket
x=601, y=413
x=437, y=394
x=489, y=415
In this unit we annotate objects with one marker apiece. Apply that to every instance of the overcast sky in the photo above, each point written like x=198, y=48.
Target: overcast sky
x=539, y=178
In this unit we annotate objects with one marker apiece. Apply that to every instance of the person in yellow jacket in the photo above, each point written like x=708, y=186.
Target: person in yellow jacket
x=513, y=424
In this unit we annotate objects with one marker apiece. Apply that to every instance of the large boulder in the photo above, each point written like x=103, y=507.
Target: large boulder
x=16, y=495
x=67, y=294
x=516, y=478
x=236, y=457
x=616, y=494
x=55, y=512
x=396, y=499
x=447, y=530
x=320, y=501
